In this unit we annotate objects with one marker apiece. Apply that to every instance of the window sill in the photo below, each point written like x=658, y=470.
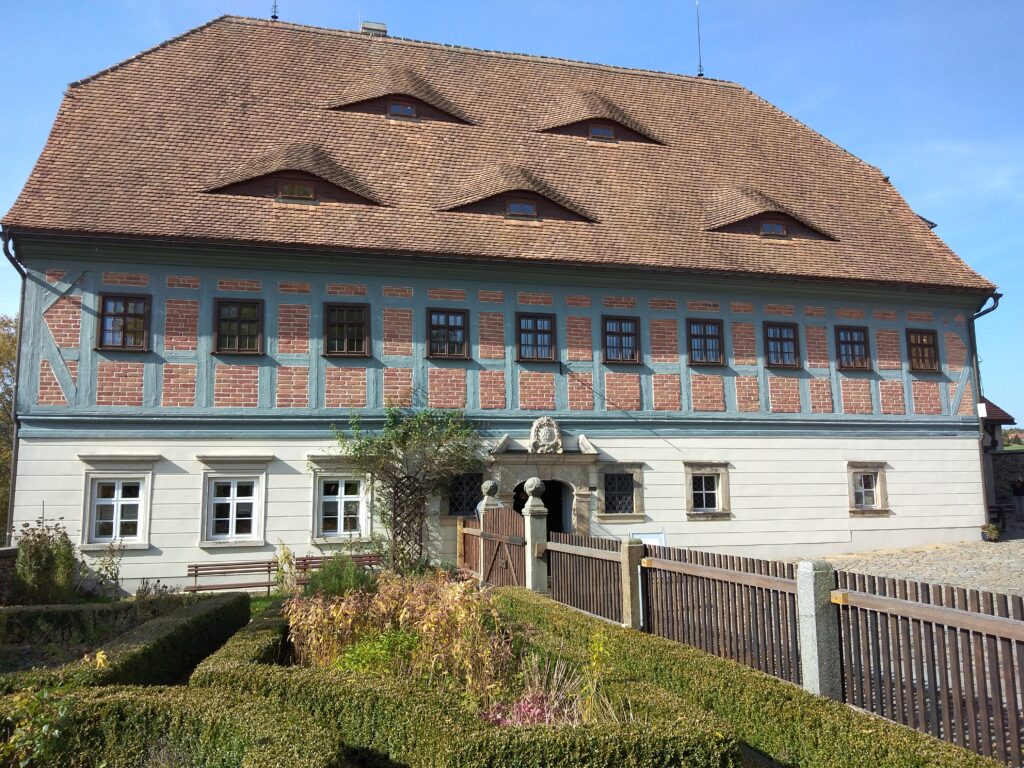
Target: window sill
x=623, y=362
x=722, y=515
x=779, y=367
x=130, y=350
x=633, y=517
x=135, y=546
x=231, y=543
x=870, y=513
x=706, y=365
x=329, y=540
x=218, y=353
x=342, y=356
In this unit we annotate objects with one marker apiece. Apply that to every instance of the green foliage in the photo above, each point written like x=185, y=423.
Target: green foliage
x=47, y=563
x=390, y=651
x=106, y=571
x=423, y=727
x=784, y=722
x=86, y=622
x=163, y=650
x=32, y=728
x=339, y=575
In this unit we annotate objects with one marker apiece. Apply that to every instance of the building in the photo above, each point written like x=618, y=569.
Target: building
x=739, y=335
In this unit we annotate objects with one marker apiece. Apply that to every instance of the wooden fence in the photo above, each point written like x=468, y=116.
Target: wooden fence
x=943, y=660
x=467, y=545
x=735, y=607
x=586, y=573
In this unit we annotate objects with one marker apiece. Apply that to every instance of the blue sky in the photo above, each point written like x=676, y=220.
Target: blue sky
x=930, y=91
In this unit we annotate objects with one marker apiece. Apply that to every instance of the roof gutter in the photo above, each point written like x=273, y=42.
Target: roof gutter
x=7, y=534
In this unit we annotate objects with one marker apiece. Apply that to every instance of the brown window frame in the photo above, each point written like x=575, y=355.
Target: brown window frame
x=405, y=102
x=602, y=124
x=260, y=327
x=839, y=348
x=328, y=306
x=509, y=202
x=520, y=316
x=430, y=332
x=763, y=222
x=690, y=336
x=796, y=346
x=934, y=348
x=282, y=196
x=605, y=334
x=124, y=297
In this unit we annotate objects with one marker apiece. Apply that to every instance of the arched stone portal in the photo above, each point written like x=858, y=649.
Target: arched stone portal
x=578, y=471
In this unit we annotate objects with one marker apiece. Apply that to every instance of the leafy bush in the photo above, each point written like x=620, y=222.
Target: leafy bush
x=179, y=727
x=429, y=728
x=338, y=576
x=391, y=650
x=32, y=729
x=163, y=650
x=47, y=564
x=786, y=723
x=88, y=622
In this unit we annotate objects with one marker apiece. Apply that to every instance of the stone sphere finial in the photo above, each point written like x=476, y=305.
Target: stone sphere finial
x=534, y=486
x=489, y=488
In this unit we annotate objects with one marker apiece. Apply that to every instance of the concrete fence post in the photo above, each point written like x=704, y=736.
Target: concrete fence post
x=818, y=629
x=632, y=553
x=536, y=516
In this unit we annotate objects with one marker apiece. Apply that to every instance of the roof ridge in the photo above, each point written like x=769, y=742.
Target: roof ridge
x=250, y=20
x=147, y=51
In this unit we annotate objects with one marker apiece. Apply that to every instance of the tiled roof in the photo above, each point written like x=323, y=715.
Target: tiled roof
x=727, y=206
x=996, y=414
x=134, y=148
x=510, y=178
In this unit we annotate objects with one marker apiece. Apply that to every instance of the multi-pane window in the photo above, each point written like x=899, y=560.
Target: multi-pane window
x=232, y=508
x=295, y=190
x=781, y=345
x=621, y=339
x=521, y=209
x=448, y=337
x=705, y=492
x=852, y=348
x=865, y=490
x=924, y=350
x=602, y=131
x=124, y=322
x=398, y=108
x=618, y=494
x=465, y=494
x=341, y=507
x=239, y=326
x=116, y=506
x=705, y=341
x=773, y=229
x=346, y=330
x=536, y=337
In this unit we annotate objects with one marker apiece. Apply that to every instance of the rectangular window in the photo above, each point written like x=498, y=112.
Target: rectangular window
x=124, y=322
x=448, y=335
x=465, y=494
x=116, y=509
x=341, y=507
x=398, y=108
x=536, y=337
x=239, y=327
x=621, y=339
x=296, y=190
x=602, y=131
x=232, y=508
x=924, y=350
x=781, y=345
x=705, y=493
x=865, y=490
x=705, y=342
x=852, y=348
x=521, y=209
x=346, y=330
x=618, y=494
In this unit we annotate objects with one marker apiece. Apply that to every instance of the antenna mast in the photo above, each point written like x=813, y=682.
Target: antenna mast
x=700, y=58
x=273, y=11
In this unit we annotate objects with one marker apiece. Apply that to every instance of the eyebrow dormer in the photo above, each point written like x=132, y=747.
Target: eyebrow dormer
x=401, y=94
x=516, y=193
x=751, y=212
x=596, y=117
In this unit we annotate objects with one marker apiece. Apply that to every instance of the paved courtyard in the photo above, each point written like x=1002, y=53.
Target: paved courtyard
x=993, y=566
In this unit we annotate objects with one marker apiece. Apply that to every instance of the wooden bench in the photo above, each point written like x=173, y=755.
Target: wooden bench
x=264, y=570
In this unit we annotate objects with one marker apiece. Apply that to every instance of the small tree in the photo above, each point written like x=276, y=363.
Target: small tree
x=414, y=456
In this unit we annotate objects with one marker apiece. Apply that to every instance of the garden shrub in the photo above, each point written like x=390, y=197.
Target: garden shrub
x=425, y=727
x=791, y=726
x=338, y=576
x=47, y=564
x=170, y=728
x=163, y=650
x=86, y=621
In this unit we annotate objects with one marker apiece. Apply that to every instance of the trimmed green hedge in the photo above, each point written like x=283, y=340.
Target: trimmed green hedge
x=181, y=727
x=161, y=651
x=424, y=728
x=88, y=621
x=781, y=720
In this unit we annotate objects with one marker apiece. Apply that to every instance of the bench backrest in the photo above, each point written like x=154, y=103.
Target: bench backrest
x=302, y=565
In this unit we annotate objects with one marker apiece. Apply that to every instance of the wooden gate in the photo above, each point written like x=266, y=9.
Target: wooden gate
x=503, y=536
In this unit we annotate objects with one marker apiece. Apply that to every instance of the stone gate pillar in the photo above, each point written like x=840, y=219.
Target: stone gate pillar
x=536, y=517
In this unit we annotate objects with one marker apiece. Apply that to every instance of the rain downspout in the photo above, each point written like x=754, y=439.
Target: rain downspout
x=976, y=375
x=6, y=536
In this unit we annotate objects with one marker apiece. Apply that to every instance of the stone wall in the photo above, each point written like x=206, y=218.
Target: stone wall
x=1006, y=465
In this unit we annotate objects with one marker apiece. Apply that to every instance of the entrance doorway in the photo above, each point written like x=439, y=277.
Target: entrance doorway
x=557, y=498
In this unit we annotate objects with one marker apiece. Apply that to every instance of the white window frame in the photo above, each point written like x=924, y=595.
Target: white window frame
x=855, y=469
x=362, y=531
x=720, y=471
x=259, y=513
x=88, y=541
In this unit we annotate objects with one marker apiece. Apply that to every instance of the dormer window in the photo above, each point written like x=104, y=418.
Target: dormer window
x=296, y=190
x=521, y=209
x=773, y=229
x=601, y=132
x=403, y=109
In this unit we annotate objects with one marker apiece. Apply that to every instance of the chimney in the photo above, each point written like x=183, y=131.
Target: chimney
x=374, y=28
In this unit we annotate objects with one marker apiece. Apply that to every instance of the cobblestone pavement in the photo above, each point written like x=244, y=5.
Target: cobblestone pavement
x=993, y=566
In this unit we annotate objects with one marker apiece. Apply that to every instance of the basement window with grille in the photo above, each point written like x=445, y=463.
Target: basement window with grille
x=465, y=494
